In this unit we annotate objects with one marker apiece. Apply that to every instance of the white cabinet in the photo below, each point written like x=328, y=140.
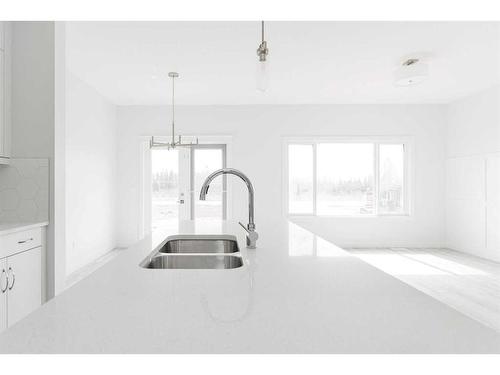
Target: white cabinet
x=20, y=275
x=3, y=294
x=5, y=91
x=25, y=292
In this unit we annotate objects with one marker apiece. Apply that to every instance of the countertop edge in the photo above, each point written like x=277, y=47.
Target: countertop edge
x=19, y=227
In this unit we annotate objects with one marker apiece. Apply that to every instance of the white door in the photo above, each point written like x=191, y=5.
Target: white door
x=25, y=284
x=3, y=294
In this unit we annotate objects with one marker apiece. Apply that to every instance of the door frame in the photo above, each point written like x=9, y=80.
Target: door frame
x=144, y=177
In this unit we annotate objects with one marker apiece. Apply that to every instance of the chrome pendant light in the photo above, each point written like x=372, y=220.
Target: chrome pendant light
x=173, y=142
x=262, y=77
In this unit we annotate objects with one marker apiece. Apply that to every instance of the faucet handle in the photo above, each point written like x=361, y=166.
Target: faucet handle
x=252, y=236
x=243, y=226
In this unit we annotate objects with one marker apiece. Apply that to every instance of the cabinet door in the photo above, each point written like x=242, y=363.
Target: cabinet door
x=3, y=295
x=2, y=103
x=5, y=91
x=2, y=26
x=25, y=281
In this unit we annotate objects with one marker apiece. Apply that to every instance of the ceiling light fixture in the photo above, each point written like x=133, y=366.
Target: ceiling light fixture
x=262, y=64
x=411, y=72
x=173, y=143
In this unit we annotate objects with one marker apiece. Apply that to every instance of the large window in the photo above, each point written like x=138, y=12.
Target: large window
x=347, y=178
x=300, y=187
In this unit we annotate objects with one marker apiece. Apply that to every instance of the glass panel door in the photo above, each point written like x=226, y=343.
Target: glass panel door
x=176, y=179
x=206, y=159
x=164, y=188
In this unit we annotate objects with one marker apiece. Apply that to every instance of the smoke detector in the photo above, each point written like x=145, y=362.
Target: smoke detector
x=411, y=72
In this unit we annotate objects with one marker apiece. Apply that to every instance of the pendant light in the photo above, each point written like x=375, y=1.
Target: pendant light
x=262, y=73
x=173, y=142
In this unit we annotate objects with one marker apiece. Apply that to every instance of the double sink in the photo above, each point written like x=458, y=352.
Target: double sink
x=196, y=252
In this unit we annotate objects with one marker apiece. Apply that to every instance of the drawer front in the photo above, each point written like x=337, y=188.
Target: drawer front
x=20, y=241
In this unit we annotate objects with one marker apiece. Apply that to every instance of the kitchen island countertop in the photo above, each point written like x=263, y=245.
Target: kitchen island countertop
x=296, y=293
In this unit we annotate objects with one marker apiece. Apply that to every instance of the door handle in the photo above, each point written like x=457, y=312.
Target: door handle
x=24, y=241
x=13, y=278
x=181, y=198
x=2, y=289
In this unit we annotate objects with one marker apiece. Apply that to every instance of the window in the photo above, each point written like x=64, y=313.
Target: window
x=300, y=187
x=347, y=178
x=391, y=178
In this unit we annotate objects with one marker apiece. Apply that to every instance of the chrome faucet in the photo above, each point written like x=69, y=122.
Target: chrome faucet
x=252, y=235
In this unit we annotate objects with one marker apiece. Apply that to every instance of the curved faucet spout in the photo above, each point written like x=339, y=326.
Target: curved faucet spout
x=252, y=235
x=219, y=172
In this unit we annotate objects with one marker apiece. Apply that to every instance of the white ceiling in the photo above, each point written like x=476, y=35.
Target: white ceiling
x=310, y=62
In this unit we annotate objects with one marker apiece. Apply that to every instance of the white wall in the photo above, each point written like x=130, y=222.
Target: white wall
x=473, y=175
x=33, y=102
x=91, y=174
x=257, y=133
x=59, y=170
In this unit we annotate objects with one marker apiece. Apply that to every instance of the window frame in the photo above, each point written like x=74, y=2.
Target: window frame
x=408, y=171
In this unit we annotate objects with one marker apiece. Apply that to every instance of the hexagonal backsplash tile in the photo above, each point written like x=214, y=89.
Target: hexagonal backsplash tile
x=24, y=190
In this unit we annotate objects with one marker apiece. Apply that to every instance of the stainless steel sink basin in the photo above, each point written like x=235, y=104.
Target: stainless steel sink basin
x=196, y=252
x=200, y=246
x=163, y=261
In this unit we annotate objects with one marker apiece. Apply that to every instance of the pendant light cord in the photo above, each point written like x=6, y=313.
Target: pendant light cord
x=262, y=30
x=173, y=143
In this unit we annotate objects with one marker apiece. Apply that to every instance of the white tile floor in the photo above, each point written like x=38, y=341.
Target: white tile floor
x=469, y=284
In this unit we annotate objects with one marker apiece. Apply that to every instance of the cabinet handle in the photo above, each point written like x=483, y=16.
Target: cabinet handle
x=24, y=241
x=6, y=279
x=13, y=278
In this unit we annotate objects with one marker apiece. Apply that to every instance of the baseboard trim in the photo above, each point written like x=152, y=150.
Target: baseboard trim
x=90, y=268
x=363, y=246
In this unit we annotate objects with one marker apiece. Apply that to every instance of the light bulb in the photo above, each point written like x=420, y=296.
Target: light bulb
x=262, y=75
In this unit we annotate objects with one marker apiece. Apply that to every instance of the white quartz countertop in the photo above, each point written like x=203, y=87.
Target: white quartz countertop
x=295, y=294
x=7, y=228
